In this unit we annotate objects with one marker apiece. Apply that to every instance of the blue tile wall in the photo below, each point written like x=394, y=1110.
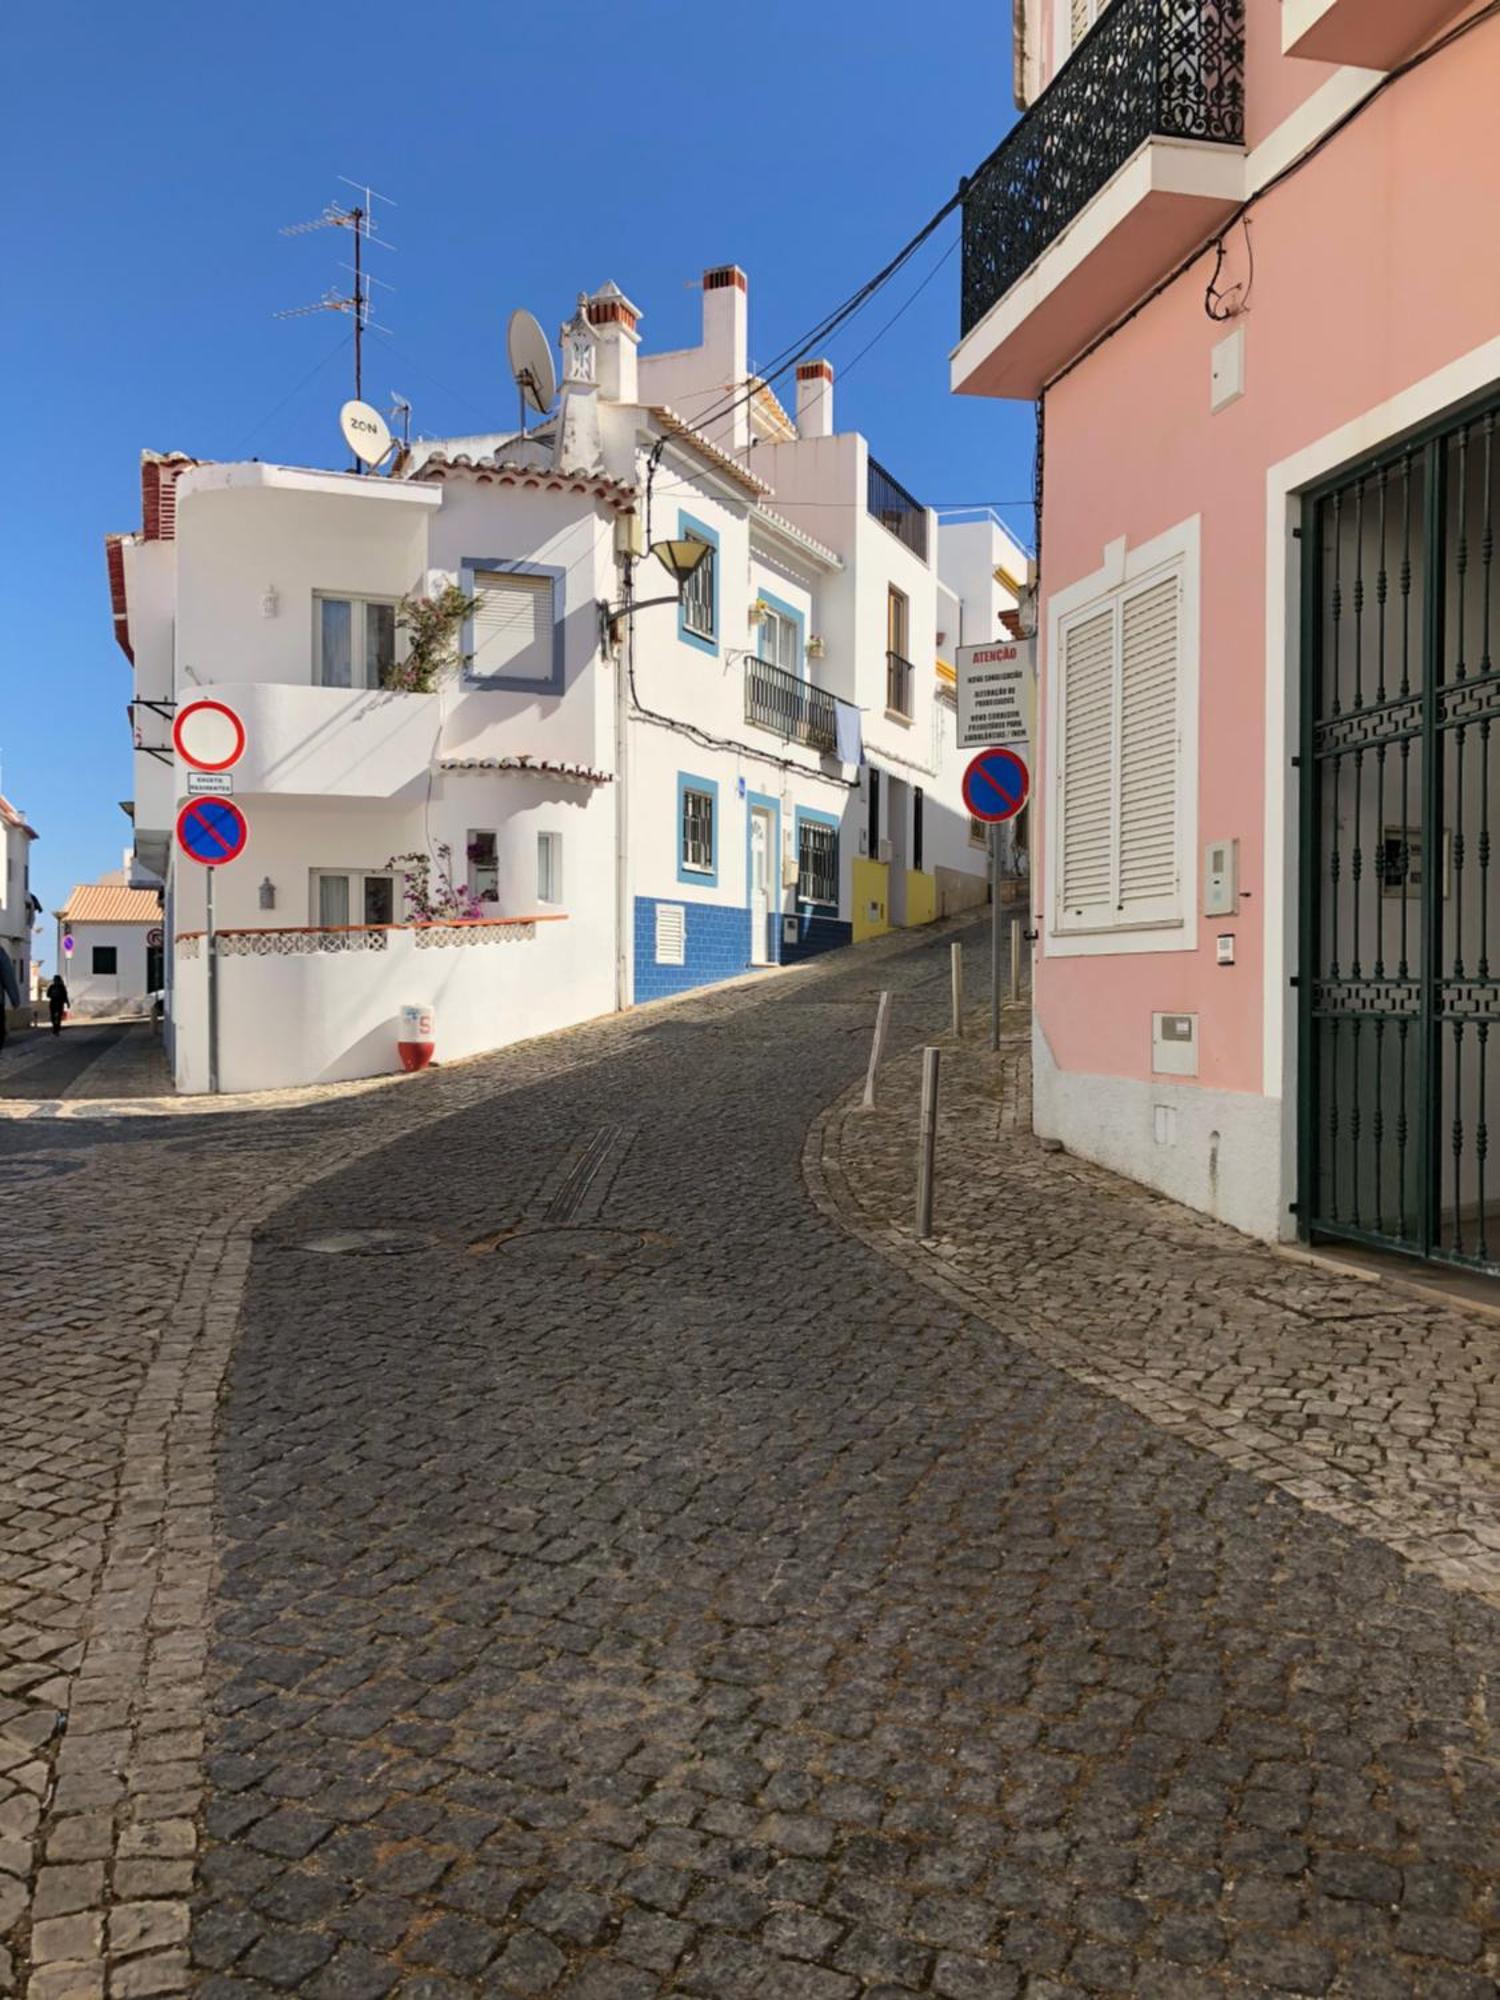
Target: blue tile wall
x=815, y=934
x=717, y=946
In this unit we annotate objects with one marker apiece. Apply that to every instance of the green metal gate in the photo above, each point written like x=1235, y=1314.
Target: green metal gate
x=1398, y=1086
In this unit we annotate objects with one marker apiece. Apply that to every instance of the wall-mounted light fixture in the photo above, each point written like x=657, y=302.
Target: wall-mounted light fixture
x=268, y=894
x=270, y=602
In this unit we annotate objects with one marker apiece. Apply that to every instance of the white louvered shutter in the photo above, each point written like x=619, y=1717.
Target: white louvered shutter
x=1082, y=20
x=1086, y=805
x=512, y=625
x=1150, y=654
x=671, y=934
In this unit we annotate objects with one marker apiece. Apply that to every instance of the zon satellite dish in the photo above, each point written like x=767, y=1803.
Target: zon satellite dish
x=531, y=363
x=365, y=432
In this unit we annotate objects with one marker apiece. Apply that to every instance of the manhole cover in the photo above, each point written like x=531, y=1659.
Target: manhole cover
x=365, y=1243
x=551, y=1249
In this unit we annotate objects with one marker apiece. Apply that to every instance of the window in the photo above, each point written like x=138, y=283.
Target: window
x=549, y=887
x=484, y=864
x=897, y=663
x=697, y=831
x=354, y=641
x=874, y=814
x=1119, y=760
x=699, y=595
x=916, y=828
x=105, y=958
x=979, y=832
x=341, y=897
x=781, y=641
x=1082, y=14
x=817, y=862
x=514, y=639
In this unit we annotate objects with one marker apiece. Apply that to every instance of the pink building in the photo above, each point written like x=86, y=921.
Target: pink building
x=1235, y=250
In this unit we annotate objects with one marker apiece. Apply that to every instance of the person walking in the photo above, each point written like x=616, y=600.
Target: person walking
x=57, y=1001
x=10, y=989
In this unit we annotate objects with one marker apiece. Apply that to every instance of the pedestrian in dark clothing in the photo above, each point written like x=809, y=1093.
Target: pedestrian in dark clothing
x=10, y=989
x=57, y=1001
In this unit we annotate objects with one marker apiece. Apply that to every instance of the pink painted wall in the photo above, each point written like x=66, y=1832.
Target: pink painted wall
x=1369, y=276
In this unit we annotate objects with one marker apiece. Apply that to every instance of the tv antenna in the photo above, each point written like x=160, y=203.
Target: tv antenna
x=360, y=220
x=531, y=363
x=401, y=413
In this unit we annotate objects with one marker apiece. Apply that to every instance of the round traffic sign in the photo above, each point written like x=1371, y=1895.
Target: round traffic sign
x=68, y=946
x=212, y=831
x=996, y=785
x=208, y=735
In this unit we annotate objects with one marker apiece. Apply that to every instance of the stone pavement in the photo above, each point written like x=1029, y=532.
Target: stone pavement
x=1358, y=1399
x=610, y=1575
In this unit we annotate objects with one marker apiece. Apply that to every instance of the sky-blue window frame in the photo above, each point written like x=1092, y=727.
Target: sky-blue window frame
x=705, y=879
x=689, y=524
x=785, y=610
x=820, y=819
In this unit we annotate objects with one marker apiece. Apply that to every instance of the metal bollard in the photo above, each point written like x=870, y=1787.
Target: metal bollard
x=877, y=1048
x=927, y=1140
x=956, y=966
x=1015, y=959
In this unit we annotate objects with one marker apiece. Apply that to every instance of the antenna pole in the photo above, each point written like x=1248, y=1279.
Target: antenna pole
x=359, y=308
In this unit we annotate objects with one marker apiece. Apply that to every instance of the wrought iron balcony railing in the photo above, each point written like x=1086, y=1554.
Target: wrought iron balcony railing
x=898, y=674
x=777, y=700
x=1146, y=69
x=888, y=500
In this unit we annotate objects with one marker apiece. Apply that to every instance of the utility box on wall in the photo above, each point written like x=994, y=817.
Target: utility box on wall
x=1174, y=1044
x=1221, y=878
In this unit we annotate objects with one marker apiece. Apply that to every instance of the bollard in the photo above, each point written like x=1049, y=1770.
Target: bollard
x=956, y=966
x=927, y=1140
x=1015, y=959
x=877, y=1048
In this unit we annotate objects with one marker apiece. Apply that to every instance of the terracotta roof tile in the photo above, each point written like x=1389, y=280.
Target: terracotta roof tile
x=103, y=903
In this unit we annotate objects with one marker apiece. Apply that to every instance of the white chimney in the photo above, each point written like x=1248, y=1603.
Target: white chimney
x=615, y=320
x=815, y=399
x=726, y=347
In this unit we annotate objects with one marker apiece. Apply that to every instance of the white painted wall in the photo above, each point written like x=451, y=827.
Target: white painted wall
x=98, y=993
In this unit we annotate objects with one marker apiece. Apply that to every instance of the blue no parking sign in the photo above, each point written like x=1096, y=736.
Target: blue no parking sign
x=212, y=831
x=996, y=785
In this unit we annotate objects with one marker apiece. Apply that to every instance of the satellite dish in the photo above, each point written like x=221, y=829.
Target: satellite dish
x=531, y=361
x=365, y=432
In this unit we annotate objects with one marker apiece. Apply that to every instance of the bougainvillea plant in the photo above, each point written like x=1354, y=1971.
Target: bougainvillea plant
x=429, y=891
x=434, y=626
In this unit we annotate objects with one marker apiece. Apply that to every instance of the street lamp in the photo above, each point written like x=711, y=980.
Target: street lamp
x=681, y=560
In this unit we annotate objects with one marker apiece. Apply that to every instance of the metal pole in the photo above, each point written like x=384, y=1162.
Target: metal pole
x=877, y=1048
x=956, y=966
x=995, y=936
x=927, y=1140
x=1015, y=959
x=213, y=989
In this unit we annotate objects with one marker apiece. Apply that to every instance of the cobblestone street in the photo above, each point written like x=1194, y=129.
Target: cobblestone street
x=547, y=1528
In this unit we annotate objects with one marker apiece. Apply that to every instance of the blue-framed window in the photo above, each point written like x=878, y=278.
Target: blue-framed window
x=783, y=631
x=698, y=607
x=515, y=637
x=817, y=858
x=697, y=830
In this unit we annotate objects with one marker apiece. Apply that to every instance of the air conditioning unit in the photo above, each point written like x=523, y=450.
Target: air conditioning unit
x=883, y=851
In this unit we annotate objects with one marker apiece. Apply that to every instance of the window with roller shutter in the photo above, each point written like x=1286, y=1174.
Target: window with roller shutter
x=1119, y=777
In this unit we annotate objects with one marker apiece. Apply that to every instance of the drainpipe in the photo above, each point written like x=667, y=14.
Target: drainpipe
x=624, y=670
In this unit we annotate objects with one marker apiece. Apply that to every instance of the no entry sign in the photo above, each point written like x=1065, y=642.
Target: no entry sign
x=212, y=831
x=996, y=786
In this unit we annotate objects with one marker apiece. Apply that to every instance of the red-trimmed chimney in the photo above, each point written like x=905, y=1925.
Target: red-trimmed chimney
x=815, y=399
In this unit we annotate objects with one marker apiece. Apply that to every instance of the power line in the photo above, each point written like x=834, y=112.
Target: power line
x=291, y=395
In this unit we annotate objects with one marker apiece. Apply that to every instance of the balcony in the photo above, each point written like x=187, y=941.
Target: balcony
x=798, y=713
x=894, y=508
x=898, y=677
x=1372, y=34
x=332, y=743
x=1129, y=159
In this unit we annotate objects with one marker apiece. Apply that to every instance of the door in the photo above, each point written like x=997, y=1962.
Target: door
x=761, y=897
x=1397, y=987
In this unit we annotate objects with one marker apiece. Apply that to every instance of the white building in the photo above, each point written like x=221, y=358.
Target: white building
x=633, y=803
x=110, y=946
x=19, y=909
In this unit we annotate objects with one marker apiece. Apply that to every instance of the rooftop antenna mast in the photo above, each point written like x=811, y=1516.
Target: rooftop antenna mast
x=359, y=219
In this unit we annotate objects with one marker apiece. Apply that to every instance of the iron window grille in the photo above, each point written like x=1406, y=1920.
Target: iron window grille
x=783, y=702
x=898, y=685
x=888, y=500
x=1147, y=68
x=698, y=594
x=817, y=863
x=698, y=832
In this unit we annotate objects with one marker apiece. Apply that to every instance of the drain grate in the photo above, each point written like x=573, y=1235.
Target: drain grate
x=566, y=1248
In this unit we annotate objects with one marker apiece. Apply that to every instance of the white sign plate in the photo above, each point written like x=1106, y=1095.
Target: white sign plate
x=996, y=692
x=220, y=784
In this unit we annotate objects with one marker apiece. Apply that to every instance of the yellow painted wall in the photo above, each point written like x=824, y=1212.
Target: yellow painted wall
x=872, y=899
x=921, y=897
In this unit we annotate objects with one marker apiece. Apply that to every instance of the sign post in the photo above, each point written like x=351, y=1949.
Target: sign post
x=211, y=829
x=997, y=785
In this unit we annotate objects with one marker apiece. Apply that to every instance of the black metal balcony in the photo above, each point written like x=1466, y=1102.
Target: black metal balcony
x=898, y=673
x=1147, y=69
x=888, y=500
x=779, y=701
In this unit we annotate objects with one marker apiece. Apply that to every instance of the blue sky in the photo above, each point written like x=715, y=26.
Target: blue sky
x=151, y=154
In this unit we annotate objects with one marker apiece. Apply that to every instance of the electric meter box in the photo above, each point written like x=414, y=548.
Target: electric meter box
x=1221, y=878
